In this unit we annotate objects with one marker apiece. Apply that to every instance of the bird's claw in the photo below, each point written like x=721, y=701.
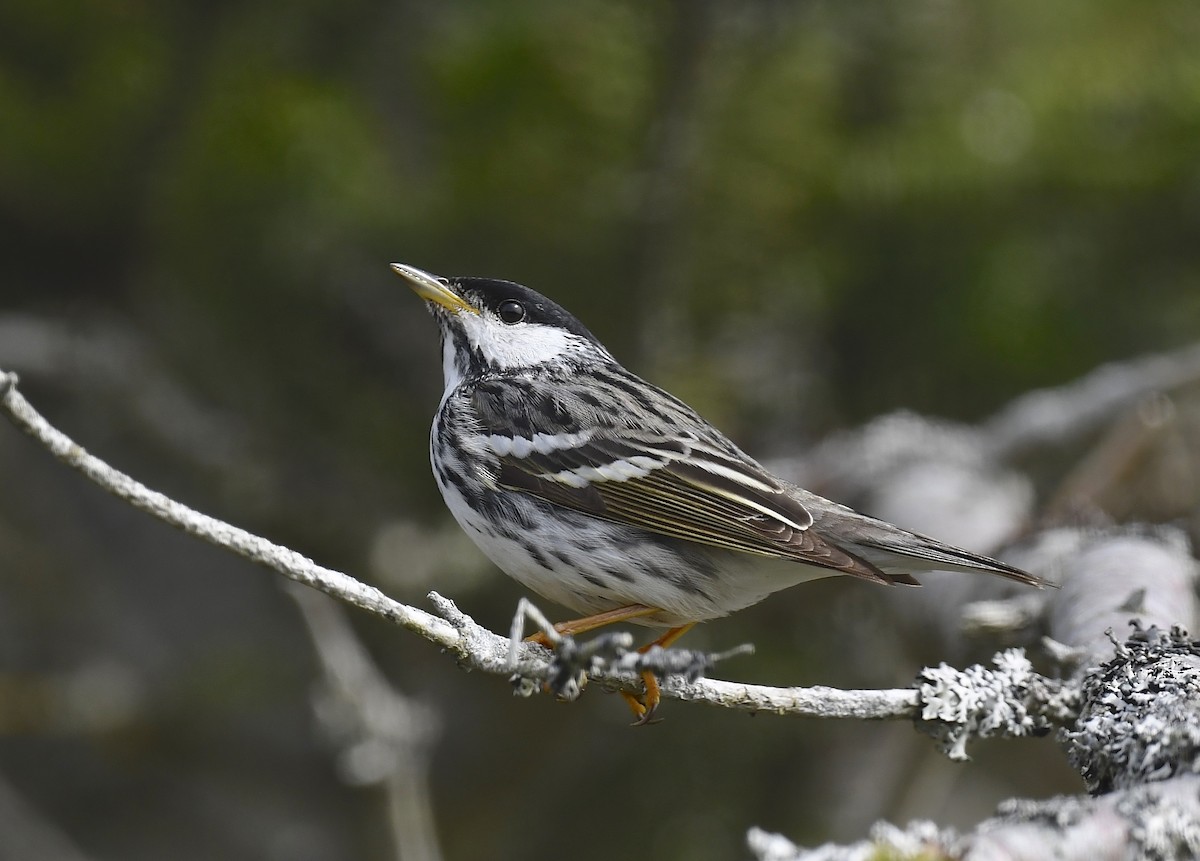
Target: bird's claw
x=647, y=718
x=644, y=707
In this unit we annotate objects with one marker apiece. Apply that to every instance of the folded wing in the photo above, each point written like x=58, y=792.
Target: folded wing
x=675, y=486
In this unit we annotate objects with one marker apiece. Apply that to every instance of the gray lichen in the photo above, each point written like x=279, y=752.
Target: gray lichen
x=1141, y=718
x=1155, y=822
x=1011, y=700
x=573, y=661
x=919, y=839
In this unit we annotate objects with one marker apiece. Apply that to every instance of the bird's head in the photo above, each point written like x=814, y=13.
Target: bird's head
x=492, y=326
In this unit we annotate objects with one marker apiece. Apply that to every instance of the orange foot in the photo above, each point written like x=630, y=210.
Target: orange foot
x=643, y=709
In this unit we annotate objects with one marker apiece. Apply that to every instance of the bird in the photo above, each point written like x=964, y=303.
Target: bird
x=613, y=498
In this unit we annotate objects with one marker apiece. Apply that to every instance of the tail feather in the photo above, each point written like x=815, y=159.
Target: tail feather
x=919, y=552
x=896, y=550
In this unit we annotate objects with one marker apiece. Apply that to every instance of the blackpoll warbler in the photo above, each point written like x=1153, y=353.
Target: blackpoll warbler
x=615, y=499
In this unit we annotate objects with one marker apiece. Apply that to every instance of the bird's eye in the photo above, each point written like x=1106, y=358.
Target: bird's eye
x=511, y=311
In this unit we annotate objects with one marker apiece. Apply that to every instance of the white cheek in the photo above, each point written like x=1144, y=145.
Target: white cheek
x=518, y=346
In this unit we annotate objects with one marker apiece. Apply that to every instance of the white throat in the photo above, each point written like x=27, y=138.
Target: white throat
x=451, y=373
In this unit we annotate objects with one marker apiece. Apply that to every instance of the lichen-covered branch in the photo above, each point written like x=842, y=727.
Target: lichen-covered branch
x=1134, y=735
x=253, y=547
x=1159, y=821
x=1141, y=717
x=978, y=702
x=612, y=667
x=606, y=664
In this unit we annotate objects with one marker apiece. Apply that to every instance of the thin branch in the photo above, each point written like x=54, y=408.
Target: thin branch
x=489, y=652
x=478, y=648
x=253, y=547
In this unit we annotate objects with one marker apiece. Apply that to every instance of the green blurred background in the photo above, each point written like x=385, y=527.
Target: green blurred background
x=794, y=215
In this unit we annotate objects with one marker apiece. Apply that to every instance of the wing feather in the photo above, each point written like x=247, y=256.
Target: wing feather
x=680, y=488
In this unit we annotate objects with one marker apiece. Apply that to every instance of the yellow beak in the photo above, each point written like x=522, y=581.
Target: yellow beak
x=431, y=289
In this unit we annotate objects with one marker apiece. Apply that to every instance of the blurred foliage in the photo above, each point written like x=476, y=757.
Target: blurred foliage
x=794, y=214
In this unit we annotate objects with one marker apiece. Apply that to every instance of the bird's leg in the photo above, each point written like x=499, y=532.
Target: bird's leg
x=644, y=708
x=591, y=623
